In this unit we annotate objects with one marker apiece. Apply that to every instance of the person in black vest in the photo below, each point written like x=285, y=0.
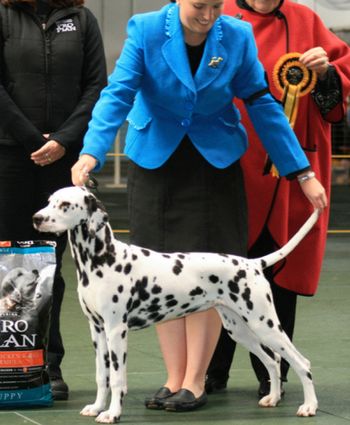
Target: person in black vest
x=52, y=69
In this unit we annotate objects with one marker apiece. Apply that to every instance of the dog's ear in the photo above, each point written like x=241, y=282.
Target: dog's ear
x=97, y=215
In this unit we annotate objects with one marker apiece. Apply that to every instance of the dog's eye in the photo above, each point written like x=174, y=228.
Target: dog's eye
x=64, y=205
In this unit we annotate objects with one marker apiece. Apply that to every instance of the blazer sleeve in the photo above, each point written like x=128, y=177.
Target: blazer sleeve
x=267, y=115
x=94, y=78
x=118, y=97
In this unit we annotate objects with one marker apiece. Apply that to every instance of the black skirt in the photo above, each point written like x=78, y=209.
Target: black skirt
x=188, y=205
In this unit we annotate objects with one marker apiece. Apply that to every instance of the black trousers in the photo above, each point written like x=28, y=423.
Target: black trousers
x=285, y=303
x=24, y=189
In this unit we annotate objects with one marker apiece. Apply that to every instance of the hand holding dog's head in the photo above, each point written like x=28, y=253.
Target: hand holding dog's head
x=68, y=208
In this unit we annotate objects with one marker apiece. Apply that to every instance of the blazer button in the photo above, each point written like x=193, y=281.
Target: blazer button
x=186, y=122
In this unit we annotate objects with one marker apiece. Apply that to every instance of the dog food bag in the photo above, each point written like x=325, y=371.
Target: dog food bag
x=26, y=277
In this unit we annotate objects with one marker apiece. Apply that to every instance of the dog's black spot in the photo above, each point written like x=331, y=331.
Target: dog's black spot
x=263, y=264
x=84, y=279
x=123, y=334
x=135, y=304
x=171, y=303
x=268, y=351
x=140, y=287
x=233, y=286
x=107, y=381
x=106, y=359
x=120, y=289
x=233, y=297
x=114, y=359
x=125, y=317
x=280, y=328
x=177, y=269
x=241, y=274
x=129, y=304
x=235, y=262
x=184, y=306
x=191, y=310
x=115, y=298
x=181, y=256
x=134, y=257
x=98, y=244
x=308, y=375
x=269, y=298
x=97, y=329
x=127, y=268
x=145, y=252
x=246, y=296
x=156, y=289
x=196, y=291
x=220, y=291
x=118, y=268
x=136, y=322
x=245, y=319
x=257, y=272
x=94, y=343
x=169, y=297
x=261, y=318
x=124, y=358
x=99, y=274
x=269, y=323
x=213, y=278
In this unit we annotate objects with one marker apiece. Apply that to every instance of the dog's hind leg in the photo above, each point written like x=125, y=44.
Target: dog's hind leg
x=241, y=333
x=98, y=337
x=280, y=342
x=117, y=347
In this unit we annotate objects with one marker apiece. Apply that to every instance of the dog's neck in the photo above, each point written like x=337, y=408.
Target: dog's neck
x=90, y=253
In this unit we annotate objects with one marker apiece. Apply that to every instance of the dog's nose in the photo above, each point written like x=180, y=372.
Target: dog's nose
x=38, y=219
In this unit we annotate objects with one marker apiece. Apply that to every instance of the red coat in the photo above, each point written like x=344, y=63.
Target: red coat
x=290, y=208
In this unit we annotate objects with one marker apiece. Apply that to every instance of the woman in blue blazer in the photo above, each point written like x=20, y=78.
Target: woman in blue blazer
x=174, y=82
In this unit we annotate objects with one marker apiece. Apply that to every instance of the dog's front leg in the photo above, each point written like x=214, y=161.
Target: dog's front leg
x=102, y=370
x=117, y=346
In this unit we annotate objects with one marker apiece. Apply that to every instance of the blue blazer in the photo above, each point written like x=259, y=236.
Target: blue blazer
x=152, y=86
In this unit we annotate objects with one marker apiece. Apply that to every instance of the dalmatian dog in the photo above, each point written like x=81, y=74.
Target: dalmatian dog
x=124, y=287
x=17, y=291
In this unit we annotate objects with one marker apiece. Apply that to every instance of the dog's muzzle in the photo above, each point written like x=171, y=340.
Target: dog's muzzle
x=37, y=220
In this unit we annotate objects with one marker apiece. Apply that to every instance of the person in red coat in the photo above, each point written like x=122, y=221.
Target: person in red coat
x=276, y=206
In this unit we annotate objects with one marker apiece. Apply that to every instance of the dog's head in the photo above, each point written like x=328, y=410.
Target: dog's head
x=68, y=208
x=17, y=289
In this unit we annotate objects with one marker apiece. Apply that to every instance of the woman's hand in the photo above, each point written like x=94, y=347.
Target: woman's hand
x=82, y=168
x=315, y=193
x=52, y=151
x=316, y=59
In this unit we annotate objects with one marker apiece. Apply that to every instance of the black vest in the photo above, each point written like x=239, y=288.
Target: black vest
x=41, y=65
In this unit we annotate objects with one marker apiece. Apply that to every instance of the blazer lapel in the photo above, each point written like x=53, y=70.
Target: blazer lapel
x=214, y=58
x=174, y=50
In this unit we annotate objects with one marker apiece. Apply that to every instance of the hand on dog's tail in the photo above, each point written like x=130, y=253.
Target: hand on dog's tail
x=271, y=259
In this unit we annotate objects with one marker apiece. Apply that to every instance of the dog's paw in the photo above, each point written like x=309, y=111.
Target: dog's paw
x=269, y=401
x=91, y=410
x=307, y=409
x=107, y=417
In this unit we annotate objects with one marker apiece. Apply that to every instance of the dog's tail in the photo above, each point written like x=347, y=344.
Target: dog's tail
x=270, y=259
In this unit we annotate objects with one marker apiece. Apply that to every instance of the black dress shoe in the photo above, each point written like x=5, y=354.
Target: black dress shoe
x=215, y=385
x=184, y=401
x=264, y=388
x=59, y=388
x=158, y=399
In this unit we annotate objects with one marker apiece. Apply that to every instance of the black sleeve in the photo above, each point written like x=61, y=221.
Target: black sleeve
x=94, y=78
x=13, y=121
x=328, y=92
